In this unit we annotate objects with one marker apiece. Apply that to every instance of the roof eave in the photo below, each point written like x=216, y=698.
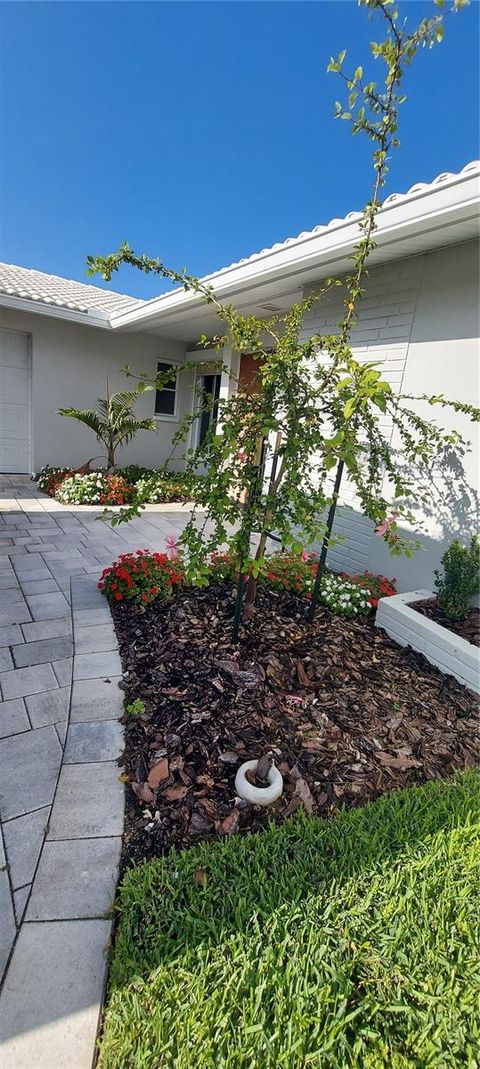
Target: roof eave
x=431, y=210
x=90, y=318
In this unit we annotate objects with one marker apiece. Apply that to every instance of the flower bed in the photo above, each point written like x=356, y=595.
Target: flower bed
x=94, y=488
x=346, y=714
x=124, y=486
x=469, y=628
x=142, y=577
x=449, y=652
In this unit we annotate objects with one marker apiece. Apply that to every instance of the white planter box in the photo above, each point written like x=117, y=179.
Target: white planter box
x=450, y=653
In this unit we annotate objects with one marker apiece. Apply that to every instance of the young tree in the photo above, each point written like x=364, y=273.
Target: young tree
x=318, y=410
x=114, y=422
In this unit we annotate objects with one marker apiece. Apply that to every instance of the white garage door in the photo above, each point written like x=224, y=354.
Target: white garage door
x=14, y=402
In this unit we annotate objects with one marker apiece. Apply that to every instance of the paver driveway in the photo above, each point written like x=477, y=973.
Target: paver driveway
x=61, y=803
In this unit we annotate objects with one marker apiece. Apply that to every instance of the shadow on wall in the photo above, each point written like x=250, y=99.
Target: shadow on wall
x=451, y=511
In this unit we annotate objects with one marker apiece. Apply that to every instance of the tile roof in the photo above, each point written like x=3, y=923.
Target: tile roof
x=470, y=169
x=80, y=297
x=61, y=292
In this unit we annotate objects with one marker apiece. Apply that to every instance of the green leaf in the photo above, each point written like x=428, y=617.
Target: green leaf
x=350, y=407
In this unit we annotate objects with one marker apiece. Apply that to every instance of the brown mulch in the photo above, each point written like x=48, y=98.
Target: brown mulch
x=468, y=629
x=346, y=713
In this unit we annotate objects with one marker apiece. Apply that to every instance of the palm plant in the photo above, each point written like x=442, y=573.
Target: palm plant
x=113, y=422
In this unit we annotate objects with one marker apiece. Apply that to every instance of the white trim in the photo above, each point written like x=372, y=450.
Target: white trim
x=425, y=210
x=429, y=215
x=92, y=318
x=29, y=344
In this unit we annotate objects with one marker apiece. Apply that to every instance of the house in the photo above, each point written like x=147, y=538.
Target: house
x=60, y=341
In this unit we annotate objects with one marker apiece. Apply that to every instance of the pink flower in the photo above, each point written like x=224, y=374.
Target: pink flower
x=304, y=555
x=172, y=551
x=383, y=528
x=242, y=456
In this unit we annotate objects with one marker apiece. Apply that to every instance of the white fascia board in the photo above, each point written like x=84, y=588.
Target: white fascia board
x=91, y=318
x=404, y=216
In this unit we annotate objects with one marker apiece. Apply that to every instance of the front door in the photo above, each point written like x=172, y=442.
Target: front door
x=14, y=402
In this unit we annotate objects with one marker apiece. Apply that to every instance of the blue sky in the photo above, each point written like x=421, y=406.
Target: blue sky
x=202, y=132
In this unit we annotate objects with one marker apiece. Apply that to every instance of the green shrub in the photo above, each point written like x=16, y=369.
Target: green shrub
x=133, y=472
x=161, y=486
x=460, y=579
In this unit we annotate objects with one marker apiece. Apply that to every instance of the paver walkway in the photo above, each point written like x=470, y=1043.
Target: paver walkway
x=61, y=802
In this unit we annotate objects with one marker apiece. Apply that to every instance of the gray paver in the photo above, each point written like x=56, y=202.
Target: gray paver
x=94, y=698
x=14, y=597
x=12, y=550
x=36, y=574
x=50, y=707
x=92, y=616
x=10, y=636
x=48, y=629
x=19, y=902
x=8, y=580
x=29, y=563
x=40, y=586
x=16, y=613
x=94, y=741
x=75, y=878
x=50, y=1001
x=48, y=649
x=88, y=802
x=30, y=764
x=63, y=671
x=23, y=842
x=23, y=681
x=6, y=662
x=61, y=729
x=7, y=917
x=13, y=718
x=47, y=606
x=97, y=665
x=95, y=639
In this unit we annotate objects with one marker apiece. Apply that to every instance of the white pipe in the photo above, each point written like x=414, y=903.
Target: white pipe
x=258, y=795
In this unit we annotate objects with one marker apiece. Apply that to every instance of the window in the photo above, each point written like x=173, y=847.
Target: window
x=166, y=398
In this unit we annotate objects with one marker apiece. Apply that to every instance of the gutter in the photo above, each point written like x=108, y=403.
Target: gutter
x=92, y=317
x=399, y=219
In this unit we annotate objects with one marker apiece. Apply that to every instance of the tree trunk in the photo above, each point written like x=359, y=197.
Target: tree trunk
x=275, y=480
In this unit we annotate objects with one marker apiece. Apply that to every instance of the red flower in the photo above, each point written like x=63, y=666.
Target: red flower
x=119, y=597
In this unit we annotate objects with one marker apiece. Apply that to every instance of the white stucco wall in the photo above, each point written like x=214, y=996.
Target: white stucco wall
x=420, y=317
x=70, y=364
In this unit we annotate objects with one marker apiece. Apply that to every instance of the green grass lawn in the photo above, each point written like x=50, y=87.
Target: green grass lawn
x=319, y=944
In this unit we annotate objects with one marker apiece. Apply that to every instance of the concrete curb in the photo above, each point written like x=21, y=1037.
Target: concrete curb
x=451, y=653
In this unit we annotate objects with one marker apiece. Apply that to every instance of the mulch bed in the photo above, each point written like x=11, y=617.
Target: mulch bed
x=347, y=714
x=468, y=629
